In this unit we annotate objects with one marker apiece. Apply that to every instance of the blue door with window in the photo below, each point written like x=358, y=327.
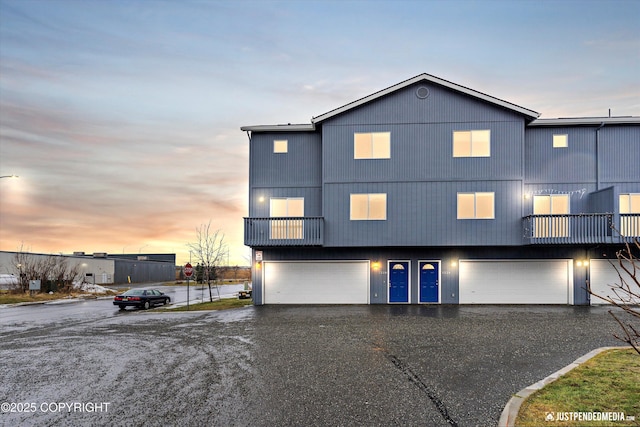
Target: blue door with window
x=399, y=281
x=429, y=291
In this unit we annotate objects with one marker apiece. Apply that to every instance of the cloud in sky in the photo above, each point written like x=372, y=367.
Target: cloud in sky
x=122, y=117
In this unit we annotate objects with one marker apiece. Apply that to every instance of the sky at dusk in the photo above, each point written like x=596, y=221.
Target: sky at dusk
x=122, y=118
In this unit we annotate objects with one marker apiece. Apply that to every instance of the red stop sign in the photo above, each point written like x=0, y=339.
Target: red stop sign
x=188, y=270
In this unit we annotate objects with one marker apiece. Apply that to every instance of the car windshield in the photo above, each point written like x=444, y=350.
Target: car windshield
x=134, y=292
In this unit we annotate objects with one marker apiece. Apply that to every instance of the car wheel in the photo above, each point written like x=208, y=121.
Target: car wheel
x=146, y=305
x=122, y=307
x=166, y=301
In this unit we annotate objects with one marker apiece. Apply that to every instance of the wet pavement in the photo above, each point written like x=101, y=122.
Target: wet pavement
x=292, y=365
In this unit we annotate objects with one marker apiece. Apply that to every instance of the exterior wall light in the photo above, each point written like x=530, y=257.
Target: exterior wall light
x=258, y=265
x=261, y=199
x=375, y=265
x=454, y=263
x=582, y=263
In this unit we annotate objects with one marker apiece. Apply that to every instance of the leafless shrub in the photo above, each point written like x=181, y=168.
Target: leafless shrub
x=52, y=271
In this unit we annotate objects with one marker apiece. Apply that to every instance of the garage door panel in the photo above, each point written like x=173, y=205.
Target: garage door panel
x=514, y=282
x=603, y=274
x=316, y=282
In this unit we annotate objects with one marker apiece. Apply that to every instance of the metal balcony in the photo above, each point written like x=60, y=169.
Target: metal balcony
x=284, y=231
x=581, y=228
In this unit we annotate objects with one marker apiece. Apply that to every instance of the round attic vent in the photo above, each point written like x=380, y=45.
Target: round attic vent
x=422, y=92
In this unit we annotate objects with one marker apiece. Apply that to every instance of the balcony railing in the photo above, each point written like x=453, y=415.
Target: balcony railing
x=284, y=231
x=580, y=228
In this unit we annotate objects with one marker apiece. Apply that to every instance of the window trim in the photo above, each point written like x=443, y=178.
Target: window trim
x=471, y=133
x=287, y=199
x=475, y=205
x=551, y=197
x=371, y=147
x=280, y=148
x=561, y=143
x=627, y=209
x=368, y=206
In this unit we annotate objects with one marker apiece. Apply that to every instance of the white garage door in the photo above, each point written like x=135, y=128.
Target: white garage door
x=334, y=282
x=516, y=282
x=602, y=274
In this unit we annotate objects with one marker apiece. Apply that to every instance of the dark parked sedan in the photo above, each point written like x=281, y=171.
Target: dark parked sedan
x=143, y=298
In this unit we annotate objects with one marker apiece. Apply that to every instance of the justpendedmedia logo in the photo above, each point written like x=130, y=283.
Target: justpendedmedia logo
x=588, y=416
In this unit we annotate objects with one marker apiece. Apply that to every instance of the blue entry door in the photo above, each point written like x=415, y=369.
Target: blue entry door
x=399, y=281
x=429, y=291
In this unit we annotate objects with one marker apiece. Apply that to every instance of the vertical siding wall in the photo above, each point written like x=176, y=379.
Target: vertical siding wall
x=297, y=173
x=422, y=177
x=620, y=156
x=449, y=265
x=424, y=214
x=574, y=164
x=592, y=163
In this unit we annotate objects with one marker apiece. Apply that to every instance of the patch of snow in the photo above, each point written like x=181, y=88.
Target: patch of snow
x=91, y=288
x=8, y=279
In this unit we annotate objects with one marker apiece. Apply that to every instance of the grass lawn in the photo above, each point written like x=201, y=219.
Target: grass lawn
x=14, y=298
x=609, y=382
x=222, y=304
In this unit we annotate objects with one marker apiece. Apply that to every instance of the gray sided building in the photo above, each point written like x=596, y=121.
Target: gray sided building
x=101, y=268
x=431, y=192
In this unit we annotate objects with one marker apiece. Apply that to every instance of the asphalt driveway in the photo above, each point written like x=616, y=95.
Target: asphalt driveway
x=295, y=365
x=412, y=365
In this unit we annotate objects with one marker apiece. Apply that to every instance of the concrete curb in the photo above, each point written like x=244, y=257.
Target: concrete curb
x=510, y=411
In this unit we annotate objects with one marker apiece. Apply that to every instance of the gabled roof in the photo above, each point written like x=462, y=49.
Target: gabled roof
x=529, y=114
x=586, y=121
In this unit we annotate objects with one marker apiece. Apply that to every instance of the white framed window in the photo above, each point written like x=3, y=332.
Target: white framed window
x=472, y=143
x=372, y=145
x=551, y=204
x=547, y=205
x=629, y=223
x=368, y=207
x=282, y=208
x=280, y=146
x=476, y=205
x=560, y=141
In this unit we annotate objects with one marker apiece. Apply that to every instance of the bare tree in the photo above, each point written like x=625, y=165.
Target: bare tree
x=64, y=275
x=49, y=269
x=210, y=249
x=25, y=265
x=626, y=294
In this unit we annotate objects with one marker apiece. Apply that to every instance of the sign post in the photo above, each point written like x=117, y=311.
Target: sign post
x=188, y=271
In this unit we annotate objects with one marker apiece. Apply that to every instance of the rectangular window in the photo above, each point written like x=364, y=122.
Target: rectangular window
x=476, y=205
x=630, y=214
x=280, y=146
x=560, y=141
x=282, y=208
x=553, y=222
x=372, y=145
x=368, y=207
x=472, y=143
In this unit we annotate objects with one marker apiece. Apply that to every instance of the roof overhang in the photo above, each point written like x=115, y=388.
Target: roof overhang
x=586, y=121
x=280, y=128
x=530, y=114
